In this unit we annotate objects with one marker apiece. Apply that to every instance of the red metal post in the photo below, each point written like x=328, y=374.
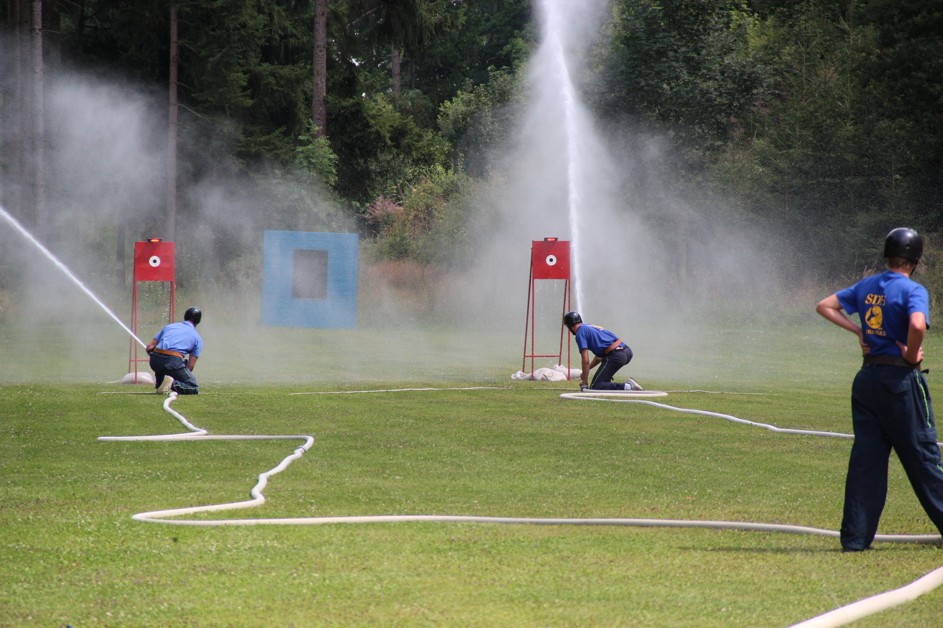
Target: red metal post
x=549, y=259
x=153, y=261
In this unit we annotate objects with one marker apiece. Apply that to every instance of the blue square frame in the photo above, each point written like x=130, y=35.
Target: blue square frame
x=338, y=309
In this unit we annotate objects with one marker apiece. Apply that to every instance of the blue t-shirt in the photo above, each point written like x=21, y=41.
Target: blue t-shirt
x=884, y=303
x=181, y=337
x=594, y=338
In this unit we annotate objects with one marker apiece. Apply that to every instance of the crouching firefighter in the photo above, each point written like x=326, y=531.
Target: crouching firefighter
x=174, y=352
x=599, y=347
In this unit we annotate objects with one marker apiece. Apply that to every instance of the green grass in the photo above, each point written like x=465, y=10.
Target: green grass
x=71, y=554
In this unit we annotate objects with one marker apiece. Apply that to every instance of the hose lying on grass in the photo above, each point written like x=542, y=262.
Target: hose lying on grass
x=837, y=617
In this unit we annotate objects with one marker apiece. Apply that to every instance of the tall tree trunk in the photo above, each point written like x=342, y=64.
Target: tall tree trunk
x=172, y=127
x=319, y=87
x=38, y=115
x=16, y=125
x=395, y=63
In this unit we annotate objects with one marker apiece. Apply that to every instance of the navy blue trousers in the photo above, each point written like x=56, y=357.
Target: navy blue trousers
x=615, y=360
x=184, y=382
x=890, y=409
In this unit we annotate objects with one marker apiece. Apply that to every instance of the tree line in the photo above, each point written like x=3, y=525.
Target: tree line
x=818, y=118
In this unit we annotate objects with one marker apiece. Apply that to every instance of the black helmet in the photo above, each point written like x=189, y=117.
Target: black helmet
x=571, y=318
x=194, y=315
x=904, y=242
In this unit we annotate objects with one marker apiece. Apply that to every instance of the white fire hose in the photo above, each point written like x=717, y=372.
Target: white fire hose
x=838, y=617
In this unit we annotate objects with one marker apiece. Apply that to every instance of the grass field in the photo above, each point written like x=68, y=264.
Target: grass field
x=71, y=554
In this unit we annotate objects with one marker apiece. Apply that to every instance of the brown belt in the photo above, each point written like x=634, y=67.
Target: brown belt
x=612, y=347
x=888, y=360
x=169, y=352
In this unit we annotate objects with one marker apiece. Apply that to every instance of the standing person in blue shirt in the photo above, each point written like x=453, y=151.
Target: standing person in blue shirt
x=890, y=402
x=607, y=350
x=174, y=352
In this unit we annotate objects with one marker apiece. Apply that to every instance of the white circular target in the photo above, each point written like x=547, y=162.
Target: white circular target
x=154, y=261
x=551, y=260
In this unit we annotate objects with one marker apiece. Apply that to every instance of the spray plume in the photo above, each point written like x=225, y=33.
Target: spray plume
x=68, y=273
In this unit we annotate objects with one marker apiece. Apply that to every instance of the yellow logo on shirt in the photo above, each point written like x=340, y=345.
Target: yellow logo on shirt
x=874, y=317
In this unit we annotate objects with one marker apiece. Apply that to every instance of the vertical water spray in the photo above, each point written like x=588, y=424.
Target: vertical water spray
x=572, y=173
x=558, y=37
x=26, y=234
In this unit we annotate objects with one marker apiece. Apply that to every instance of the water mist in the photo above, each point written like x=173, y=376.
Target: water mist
x=68, y=273
x=555, y=176
x=556, y=53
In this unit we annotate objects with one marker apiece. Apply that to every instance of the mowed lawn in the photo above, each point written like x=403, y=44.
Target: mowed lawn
x=478, y=443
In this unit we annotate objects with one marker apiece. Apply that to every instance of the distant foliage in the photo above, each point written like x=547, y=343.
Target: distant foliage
x=314, y=155
x=930, y=273
x=810, y=113
x=821, y=119
x=424, y=225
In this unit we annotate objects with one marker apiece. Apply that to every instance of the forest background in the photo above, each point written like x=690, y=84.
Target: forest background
x=817, y=120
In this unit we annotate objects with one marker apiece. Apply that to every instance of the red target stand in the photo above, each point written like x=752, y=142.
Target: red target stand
x=549, y=260
x=153, y=262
